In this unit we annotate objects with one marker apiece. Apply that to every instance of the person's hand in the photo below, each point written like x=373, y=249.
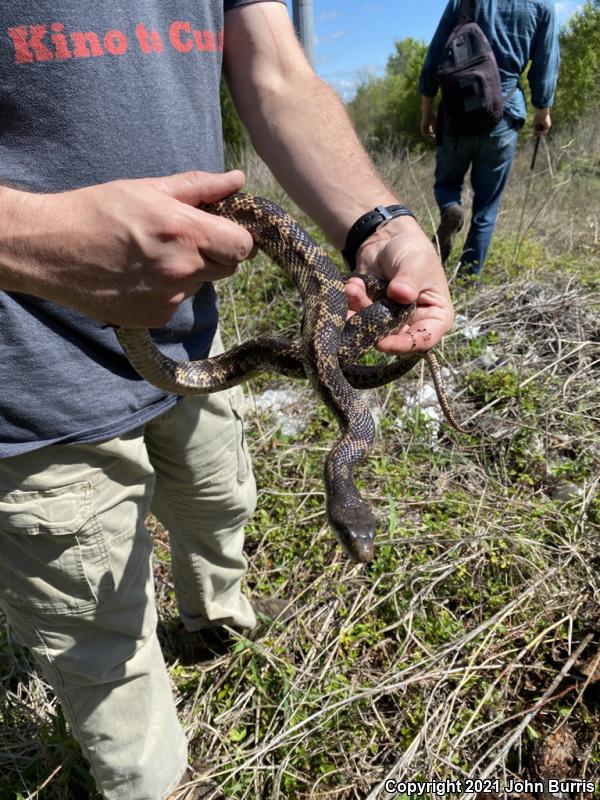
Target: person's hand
x=401, y=253
x=126, y=252
x=428, y=123
x=428, y=118
x=541, y=122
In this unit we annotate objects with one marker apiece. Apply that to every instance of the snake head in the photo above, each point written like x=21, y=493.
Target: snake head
x=354, y=528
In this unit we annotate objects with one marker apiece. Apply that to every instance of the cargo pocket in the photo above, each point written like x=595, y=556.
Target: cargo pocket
x=236, y=399
x=53, y=554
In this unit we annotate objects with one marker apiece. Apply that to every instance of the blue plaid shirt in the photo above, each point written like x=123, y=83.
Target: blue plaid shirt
x=519, y=31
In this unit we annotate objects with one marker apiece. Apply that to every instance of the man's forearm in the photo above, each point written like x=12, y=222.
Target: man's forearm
x=18, y=210
x=300, y=128
x=306, y=137
x=426, y=104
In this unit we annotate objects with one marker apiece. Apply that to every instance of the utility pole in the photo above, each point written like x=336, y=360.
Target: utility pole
x=303, y=23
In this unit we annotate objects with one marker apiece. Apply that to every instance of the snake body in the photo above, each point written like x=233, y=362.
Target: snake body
x=325, y=356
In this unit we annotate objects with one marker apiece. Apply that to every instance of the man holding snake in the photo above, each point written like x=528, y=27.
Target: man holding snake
x=111, y=136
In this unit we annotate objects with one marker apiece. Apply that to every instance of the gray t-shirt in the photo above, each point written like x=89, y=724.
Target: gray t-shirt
x=89, y=93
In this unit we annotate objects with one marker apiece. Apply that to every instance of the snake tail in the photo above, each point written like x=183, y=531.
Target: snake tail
x=440, y=390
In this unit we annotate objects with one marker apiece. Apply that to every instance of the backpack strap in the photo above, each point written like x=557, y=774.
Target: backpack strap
x=468, y=9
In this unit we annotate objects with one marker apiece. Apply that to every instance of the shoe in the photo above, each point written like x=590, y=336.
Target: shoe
x=452, y=220
x=209, y=643
x=194, y=647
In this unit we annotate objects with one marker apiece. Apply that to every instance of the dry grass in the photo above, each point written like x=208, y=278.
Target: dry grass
x=470, y=637
x=555, y=205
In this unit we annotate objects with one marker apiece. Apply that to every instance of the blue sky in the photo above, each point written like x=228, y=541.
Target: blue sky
x=355, y=37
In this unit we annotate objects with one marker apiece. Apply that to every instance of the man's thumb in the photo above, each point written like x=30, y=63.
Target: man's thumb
x=404, y=288
x=198, y=187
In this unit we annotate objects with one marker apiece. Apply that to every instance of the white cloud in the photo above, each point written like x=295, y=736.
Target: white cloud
x=566, y=8
x=346, y=82
x=331, y=37
x=329, y=16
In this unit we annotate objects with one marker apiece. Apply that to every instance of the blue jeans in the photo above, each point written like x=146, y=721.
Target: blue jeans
x=490, y=157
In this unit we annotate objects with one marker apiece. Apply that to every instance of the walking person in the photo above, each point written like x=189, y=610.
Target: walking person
x=111, y=139
x=520, y=33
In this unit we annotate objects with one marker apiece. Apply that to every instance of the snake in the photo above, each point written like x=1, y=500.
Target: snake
x=329, y=346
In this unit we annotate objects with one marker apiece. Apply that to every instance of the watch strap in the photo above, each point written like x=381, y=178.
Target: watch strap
x=366, y=225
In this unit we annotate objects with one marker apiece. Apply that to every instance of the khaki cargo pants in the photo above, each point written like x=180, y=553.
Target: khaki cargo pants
x=76, y=578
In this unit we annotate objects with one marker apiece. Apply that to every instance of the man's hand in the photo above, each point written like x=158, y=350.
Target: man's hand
x=428, y=118
x=126, y=252
x=428, y=124
x=542, y=122
x=401, y=253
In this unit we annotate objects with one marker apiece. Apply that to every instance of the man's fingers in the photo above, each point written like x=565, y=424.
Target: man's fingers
x=413, y=338
x=405, y=287
x=222, y=241
x=215, y=238
x=191, y=278
x=207, y=270
x=194, y=188
x=356, y=294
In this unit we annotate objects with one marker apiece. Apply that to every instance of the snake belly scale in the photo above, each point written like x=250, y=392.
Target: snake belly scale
x=325, y=354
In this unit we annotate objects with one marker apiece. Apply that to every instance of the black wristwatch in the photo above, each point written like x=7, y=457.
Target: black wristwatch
x=365, y=226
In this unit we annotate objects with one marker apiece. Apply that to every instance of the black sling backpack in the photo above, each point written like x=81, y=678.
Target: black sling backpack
x=472, y=99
